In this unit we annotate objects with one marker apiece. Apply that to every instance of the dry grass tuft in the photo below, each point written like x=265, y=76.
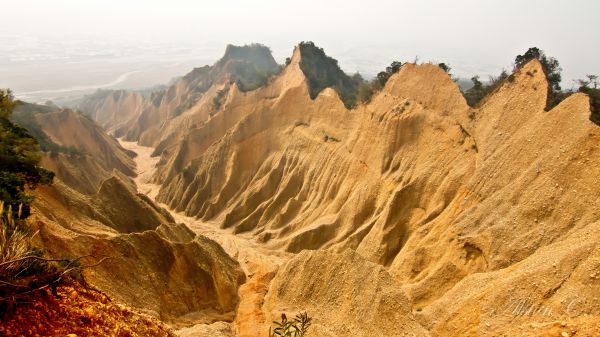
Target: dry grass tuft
x=14, y=244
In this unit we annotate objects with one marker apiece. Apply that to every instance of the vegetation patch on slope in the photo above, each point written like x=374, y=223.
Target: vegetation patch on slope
x=589, y=86
x=476, y=94
x=595, y=102
x=249, y=66
x=552, y=71
x=322, y=72
x=24, y=115
x=19, y=159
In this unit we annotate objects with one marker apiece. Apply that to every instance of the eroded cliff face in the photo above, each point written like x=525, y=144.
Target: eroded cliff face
x=93, y=210
x=113, y=109
x=471, y=212
x=157, y=118
x=94, y=155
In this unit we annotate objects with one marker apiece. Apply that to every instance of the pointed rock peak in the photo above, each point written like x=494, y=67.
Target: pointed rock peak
x=292, y=76
x=322, y=72
x=577, y=107
x=520, y=98
x=112, y=183
x=532, y=71
x=526, y=88
x=296, y=56
x=428, y=85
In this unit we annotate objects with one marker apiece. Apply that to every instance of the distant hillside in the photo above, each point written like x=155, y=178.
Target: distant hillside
x=131, y=115
x=24, y=115
x=248, y=66
x=74, y=146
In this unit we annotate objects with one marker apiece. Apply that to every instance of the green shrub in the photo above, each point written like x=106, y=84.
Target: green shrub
x=296, y=327
x=366, y=90
x=445, y=67
x=328, y=138
x=479, y=90
x=383, y=77
x=594, y=94
x=19, y=159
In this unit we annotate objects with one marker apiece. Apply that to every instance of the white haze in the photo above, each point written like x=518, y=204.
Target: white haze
x=53, y=49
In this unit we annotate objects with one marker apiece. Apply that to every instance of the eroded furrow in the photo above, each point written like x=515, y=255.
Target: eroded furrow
x=259, y=264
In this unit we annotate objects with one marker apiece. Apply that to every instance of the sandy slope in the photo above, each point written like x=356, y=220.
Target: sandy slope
x=259, y=263
x=79, y=311
x=93, y=209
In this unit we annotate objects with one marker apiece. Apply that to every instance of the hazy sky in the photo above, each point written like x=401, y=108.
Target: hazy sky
x=474, y=36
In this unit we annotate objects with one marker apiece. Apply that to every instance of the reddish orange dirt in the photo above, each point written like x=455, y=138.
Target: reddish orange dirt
x=78, y=312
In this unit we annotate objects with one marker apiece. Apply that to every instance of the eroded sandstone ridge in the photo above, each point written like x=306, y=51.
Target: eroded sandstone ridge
x=93, y=210
x=472, y=220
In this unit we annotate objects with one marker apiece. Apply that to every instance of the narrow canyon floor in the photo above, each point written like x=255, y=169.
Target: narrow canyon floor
x=259, y=264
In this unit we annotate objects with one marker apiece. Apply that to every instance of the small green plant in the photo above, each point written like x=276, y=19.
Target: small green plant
x=296, y=327
x=328, y=138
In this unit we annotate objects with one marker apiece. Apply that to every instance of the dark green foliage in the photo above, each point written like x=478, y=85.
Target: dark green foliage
x=479, y=90
x=296, y=327
x=394, y=67
x=357, y=78
x=322, y=72
x=552, y=71
x=328, y=138
x=445, y=67
x=590, y=87
x=383, y=77
x=366, y=90
x=19, y=158
x=247, y=77
x=250, y=66
x=477, y=85
x=218, y=99
x=595, y=103
x=257, y=54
